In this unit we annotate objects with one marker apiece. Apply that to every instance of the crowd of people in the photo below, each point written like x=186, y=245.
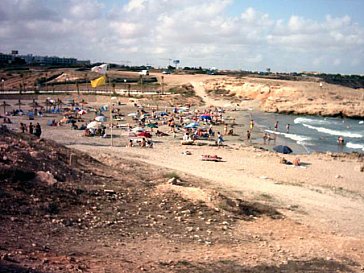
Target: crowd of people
x=31, y=129
x=192, y=123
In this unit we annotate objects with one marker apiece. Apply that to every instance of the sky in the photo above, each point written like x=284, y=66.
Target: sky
x=284, y=35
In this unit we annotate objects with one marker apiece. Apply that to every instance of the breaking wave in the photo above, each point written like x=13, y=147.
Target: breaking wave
x=355, y=146
x=302, y=140
x=333, y=132
x=302, y=120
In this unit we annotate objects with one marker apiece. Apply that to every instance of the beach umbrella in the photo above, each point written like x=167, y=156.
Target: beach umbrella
x=162, y=114
x=137, y=129
x=34, y=105
x=101, y=118
x=192, y=125
x=83, y=102
x=132, y=114
x=205, y=117
x=82, y=112
x=19, y=103
x=47, y=104
x=5, y=105
x=282, y=149
x=94, y=125
x=152, y=125
x=144, y=134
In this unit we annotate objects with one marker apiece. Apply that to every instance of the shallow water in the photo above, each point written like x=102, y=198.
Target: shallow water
x=314, y=133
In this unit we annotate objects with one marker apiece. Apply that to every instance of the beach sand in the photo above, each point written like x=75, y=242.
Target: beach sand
x=324, y=196
x=321, y=188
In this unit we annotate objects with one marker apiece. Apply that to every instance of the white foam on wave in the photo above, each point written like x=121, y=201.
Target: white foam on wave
x=355, y=146
x=301, y=140
x=333, y=132
x=361, y=122
x=311, y=121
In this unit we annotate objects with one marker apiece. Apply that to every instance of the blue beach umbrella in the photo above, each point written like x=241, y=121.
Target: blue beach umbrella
x=282, y=149
x=205, y=117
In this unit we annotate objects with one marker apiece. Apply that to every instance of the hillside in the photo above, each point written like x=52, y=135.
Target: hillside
x=292, y=97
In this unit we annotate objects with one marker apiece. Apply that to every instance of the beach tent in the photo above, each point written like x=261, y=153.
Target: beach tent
x=94, y=125
x=101, y=118
x=282, y=149
x=162, y=113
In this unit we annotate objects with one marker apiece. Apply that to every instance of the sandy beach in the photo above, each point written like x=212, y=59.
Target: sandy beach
x=321, y=200
x=319, y=189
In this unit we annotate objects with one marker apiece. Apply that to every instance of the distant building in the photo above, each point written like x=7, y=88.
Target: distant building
x=5, y=58
x=43, y=60
x=311, y=72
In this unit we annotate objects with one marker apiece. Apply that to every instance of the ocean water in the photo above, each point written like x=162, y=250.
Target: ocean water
x=313, y=133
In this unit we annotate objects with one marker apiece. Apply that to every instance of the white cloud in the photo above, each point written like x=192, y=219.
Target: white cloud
x=199, y=32
x=86, y=9
x=134, y=5
x=255, y=59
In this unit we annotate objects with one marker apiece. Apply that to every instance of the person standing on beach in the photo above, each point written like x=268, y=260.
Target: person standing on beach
x=248, y=135
x=287, y=128
x=225, y=129
x=31, y=128
x=38, y=130
x=220, y=140
x=276, y=126
x=23, y=127
x=251, y=125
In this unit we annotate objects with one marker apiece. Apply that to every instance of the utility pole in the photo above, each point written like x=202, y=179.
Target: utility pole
x=162, y=84
x=141, y=84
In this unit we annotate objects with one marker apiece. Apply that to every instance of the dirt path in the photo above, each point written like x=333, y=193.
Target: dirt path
x=200, y=91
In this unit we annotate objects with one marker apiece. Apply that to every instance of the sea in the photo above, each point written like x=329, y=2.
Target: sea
x=309, y=134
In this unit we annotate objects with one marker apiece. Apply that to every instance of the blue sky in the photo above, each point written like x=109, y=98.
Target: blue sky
x=284, y=35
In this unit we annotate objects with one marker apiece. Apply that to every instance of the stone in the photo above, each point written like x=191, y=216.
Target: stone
x=46, y=177
x=173, y=181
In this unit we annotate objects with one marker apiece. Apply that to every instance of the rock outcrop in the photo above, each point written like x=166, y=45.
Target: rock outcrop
x=295, y=97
